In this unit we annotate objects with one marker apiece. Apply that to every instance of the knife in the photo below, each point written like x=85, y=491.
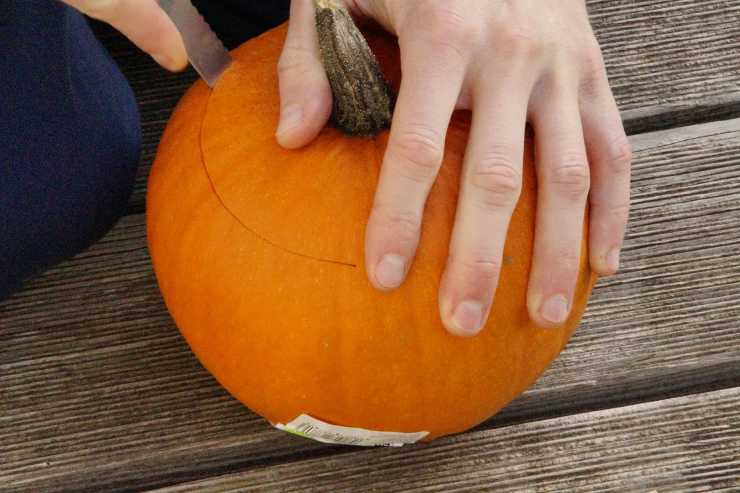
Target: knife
x=205, y=51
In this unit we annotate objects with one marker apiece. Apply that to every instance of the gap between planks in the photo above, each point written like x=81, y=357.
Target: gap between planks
x=676, y=445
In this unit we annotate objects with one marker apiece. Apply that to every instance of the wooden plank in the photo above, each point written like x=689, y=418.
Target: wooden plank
x=98, y=391
x=670, y=62
x=685, y=444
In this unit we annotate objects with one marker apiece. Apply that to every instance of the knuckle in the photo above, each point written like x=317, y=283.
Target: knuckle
x=620, y=212
x=519, y=40
x=589, y=53
x=288, y=66
x=295, y=59
x=399, y=224
x=497, y=181
x=482, y=269
x=620, y=155
x=613, y=212
x=590, y=87
x=565, y=263
x=569, y=261
x=571, y=178
x=593, y=79
x=593, y=70
x=450, y=28
x=592, y=63
x=421, y=151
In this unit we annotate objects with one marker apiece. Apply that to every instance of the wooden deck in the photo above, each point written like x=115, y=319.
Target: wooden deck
x=98, y=392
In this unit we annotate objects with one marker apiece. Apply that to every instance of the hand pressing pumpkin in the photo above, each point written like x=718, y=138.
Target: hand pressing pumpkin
x=511, y=62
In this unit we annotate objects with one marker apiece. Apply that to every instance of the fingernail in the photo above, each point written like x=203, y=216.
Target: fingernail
x=390, y=271
x=164, y=60
x=468, y=317
x=612, y=259
x=290, y=118
x=555, y=309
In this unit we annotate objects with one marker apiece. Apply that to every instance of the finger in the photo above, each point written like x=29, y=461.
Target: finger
x=144, y=23
x=432, y=80
x=563, y=184
x=491, y=184
x=610, y=155
x=305, y=94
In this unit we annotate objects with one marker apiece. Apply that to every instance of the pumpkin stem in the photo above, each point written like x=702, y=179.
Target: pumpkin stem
x=362, y=97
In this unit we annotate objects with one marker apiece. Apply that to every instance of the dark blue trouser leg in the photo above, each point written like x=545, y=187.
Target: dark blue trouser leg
x=69, y=138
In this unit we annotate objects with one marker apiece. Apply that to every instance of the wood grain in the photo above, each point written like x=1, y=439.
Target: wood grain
x=686, y=444
x=670, y=62
x=98, y=390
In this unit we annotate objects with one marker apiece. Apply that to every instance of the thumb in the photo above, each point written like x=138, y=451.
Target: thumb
x=305, y=94
x=144, y=23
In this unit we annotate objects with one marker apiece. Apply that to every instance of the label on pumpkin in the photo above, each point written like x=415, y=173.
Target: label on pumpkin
x=309, y=427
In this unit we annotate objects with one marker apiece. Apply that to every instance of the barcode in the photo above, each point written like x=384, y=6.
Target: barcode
x=317, y=434
x=315, y=429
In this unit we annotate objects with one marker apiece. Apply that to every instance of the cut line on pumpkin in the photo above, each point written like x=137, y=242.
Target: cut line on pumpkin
x=235, y=217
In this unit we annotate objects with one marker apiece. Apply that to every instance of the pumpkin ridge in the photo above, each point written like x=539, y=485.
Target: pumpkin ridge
x=236, y=218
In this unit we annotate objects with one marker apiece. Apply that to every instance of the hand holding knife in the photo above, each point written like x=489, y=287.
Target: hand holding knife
x=206, y=53
x=145, y=24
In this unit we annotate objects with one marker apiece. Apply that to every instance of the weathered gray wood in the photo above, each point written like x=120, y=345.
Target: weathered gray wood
x=98, y=391
x=686, y=444
x=669, y=61
x=663, y=139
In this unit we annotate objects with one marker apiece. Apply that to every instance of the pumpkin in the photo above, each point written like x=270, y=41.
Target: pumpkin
x=258, y=252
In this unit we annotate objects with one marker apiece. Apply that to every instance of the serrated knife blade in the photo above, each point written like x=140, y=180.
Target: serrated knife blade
x=206, y=53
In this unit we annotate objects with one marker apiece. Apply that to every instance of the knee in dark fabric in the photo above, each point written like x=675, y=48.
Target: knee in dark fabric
x=69, y=139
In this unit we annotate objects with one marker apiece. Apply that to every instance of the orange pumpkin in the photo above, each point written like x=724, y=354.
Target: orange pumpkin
x=258, y=251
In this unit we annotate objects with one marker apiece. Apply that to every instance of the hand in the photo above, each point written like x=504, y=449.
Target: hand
x=509, y=61
x=144, y=23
